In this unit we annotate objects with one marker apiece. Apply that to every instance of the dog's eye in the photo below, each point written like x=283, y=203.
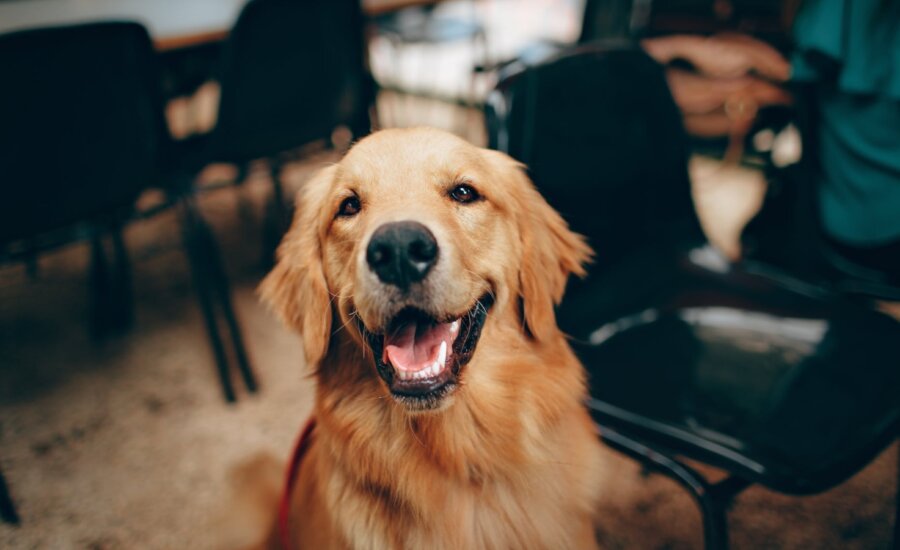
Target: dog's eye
x=349, y=207
x=464, y=193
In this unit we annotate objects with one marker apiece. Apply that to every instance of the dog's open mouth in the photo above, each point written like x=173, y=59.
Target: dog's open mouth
x=420, y=357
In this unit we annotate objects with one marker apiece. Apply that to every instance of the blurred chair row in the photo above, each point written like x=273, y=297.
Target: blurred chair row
x=776, y=378
x=83, y=135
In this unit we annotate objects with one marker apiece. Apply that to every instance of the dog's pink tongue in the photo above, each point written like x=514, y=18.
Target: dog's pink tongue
x=415, y=345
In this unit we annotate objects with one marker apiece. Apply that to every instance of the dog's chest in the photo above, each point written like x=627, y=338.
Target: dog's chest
x=452, y=516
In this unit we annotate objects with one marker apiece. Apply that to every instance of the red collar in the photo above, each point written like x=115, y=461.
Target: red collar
x=290, y=480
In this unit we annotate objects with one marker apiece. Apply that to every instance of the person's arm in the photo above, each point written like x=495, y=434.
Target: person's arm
x=729, y=68
x=721, y=56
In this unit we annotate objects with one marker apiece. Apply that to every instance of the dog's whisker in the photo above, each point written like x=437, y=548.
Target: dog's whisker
x=490, y=293
x=365, y=332
x=343, y=326
x=413, y=430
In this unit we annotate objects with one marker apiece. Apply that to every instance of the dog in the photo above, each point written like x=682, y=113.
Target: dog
x=422, y=273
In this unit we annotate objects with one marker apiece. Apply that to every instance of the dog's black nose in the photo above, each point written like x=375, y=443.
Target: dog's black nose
x=402, y=253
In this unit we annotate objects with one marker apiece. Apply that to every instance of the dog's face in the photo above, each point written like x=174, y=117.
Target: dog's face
x=412, y=243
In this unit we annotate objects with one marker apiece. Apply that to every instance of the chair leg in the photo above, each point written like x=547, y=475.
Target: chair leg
x=122, y=307
x=112, y=301
x=196, y=238
x=716, y=500
x=282, y=208
x=240, y=351
x=278, y=217
x=222, y=289
x=363, y=123
x=897, y=504
x=712, y=499
x=7, y=506
x=31, y=265
x=99, y=288
x=245, y=207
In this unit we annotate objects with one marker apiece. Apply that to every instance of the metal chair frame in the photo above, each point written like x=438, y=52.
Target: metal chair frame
x=654, y=444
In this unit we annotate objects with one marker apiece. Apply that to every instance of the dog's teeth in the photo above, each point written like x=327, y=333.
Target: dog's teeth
x=431, y=370
x=454, y=327
x=442, y=355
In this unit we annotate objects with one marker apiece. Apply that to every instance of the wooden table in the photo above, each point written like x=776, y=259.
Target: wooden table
x=173, y=24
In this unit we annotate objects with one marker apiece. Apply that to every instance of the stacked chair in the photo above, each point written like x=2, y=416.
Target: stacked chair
x=83, y=137
x=290, y=74
x=778, y=381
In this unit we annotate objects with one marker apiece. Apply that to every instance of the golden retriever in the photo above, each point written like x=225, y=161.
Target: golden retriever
x=422, y=273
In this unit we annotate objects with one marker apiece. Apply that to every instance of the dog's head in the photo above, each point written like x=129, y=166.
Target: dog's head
x=414, y=245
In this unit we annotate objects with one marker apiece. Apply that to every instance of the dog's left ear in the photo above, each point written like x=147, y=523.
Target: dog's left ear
x=550, y=252
x=296, y=289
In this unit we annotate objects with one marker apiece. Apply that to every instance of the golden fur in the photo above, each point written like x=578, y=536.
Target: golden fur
x=510, y=459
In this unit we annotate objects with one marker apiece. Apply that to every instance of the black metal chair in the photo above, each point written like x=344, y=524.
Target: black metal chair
x=778, y=382
x=64, y=103
x=83, y=135
x=291, y=72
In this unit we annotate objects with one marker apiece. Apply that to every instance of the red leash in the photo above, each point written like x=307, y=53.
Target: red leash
x=293, y=469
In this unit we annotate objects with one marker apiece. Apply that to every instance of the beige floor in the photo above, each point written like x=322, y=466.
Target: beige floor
x=128, y=444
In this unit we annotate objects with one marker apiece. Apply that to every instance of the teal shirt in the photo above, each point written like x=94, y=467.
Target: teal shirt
x=851, y=48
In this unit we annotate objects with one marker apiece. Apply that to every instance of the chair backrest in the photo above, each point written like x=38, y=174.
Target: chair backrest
x=606, y=19
x=603, y=141
x=292, y=71
x=81, y=124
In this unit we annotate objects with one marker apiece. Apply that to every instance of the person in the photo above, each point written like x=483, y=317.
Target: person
x=726, y=68
x=850, y=52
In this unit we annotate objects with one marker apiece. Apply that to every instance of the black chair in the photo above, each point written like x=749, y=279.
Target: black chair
x=291, y=72
x=611, y=19
x=83, y=135
x=67, y=154
x=778, y=382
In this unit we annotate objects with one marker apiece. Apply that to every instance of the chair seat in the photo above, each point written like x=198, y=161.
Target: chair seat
x=783, y=384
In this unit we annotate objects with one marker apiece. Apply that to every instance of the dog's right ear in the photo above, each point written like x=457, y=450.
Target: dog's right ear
x=296, y=289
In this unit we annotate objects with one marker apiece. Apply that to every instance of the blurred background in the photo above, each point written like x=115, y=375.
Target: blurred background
x=734, y=163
